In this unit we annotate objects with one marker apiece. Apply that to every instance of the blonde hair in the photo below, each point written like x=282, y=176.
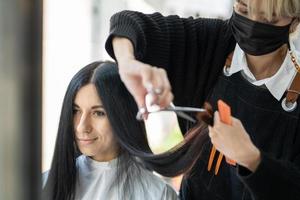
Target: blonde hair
x=281, y=8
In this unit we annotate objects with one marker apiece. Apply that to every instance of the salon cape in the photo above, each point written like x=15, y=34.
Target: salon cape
x=95, y=178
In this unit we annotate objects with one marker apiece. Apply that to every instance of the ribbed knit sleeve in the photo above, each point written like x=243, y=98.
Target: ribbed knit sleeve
x=192, y=51
x=274, y=178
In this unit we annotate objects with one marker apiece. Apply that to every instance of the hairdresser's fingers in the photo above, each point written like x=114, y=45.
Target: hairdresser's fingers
x=213, y=135
x=166, y=97
x=141, y=79
x=154, y=87
x=146, y=72
x=137, y=79
x=216, y=119
x=153, y=81
x=160, y=87
x=145, y=86
x=222, y=128
x=137, y=93
x=158, y=82
x=212, y=132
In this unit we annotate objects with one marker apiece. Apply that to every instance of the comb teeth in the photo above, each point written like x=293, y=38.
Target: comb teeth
x=207, y=116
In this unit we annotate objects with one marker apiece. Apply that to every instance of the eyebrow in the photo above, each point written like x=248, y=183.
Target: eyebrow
x=97, y=106
x=242, y=2
x=93, y=107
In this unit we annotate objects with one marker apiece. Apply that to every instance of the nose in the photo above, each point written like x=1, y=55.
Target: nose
x=84, y=124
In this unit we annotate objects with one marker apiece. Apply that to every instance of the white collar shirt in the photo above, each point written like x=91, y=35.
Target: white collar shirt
x=276, y=84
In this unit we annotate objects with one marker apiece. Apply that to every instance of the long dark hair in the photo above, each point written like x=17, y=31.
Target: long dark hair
x=130, y=134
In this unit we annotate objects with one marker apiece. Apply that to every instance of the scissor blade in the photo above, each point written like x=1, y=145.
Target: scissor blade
x=189, y=109
x=185, y=116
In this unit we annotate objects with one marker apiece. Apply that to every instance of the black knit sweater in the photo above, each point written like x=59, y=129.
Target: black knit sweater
x=193, y=51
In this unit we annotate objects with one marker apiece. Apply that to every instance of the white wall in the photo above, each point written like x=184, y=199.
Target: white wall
x=74, y=35
x=66, y=44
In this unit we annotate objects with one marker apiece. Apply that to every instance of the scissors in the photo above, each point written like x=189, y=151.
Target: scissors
x=179, y=110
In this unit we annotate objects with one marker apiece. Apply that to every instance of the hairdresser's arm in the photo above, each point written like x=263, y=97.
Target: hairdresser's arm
x=273, y=178
x=178, y=45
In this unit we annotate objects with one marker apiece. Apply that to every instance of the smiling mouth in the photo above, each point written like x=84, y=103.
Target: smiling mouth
x=86, y=141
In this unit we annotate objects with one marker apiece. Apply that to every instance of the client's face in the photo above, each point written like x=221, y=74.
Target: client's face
x=93, y=132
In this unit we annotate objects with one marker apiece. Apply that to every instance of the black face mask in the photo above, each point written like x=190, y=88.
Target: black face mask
x=257, y=38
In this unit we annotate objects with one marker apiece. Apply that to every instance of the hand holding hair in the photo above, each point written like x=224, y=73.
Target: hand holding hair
x=234, y=142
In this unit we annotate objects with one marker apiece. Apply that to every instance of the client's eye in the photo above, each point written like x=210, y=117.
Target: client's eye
x=99, y=113
x=76, y=111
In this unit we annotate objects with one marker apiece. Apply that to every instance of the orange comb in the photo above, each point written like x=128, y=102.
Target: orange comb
x=225, y=117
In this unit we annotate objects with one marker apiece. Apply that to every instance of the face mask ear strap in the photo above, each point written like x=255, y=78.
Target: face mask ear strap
x=289, y=46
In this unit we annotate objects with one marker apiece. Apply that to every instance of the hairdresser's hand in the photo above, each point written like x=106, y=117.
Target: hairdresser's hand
x=141, y=78
x=234, y=142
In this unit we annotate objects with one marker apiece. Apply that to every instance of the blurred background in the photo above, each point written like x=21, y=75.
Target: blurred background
x=42, y=45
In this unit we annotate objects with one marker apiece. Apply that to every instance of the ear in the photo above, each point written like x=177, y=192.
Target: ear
x=294, y=24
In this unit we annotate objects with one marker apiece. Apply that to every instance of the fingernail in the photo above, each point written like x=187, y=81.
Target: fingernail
x=157, y=91
x=149, y=87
